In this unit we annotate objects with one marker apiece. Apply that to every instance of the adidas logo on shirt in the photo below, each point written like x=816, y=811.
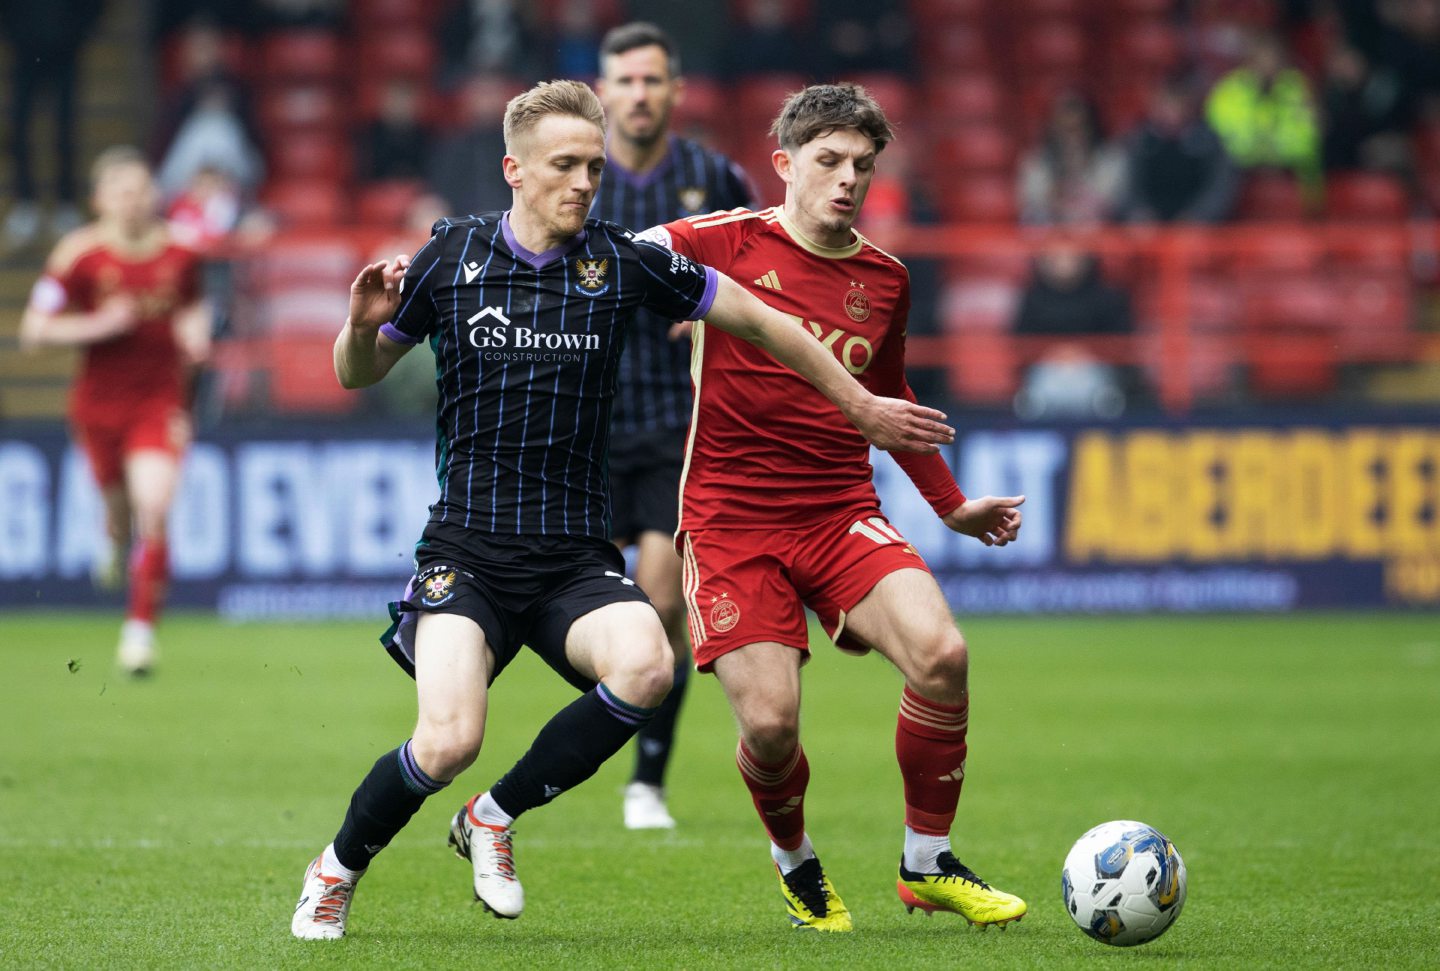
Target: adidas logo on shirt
x=769, y=281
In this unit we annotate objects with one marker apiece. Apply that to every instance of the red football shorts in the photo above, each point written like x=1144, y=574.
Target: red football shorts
x=107, y=440
x=745, y=586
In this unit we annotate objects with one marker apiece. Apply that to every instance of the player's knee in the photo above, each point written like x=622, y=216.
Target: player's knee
x=944, y=668
x=772, y=735
x=643, y=677
x=444, y=754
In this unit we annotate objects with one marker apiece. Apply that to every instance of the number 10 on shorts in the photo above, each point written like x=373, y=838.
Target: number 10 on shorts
x=878, y=529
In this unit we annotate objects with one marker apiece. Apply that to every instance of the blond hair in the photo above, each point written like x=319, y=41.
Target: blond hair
x=115, y=157
x=573, y=98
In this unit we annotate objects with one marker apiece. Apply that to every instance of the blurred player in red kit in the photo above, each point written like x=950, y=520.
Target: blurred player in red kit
x=778, y=512
x=128, y=296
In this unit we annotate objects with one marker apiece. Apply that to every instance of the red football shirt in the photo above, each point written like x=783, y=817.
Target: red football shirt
x=141, y=367
x=766, y=448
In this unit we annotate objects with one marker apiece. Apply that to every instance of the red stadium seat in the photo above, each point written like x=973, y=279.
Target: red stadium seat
x=310, y=153
x=1124, y=101
x=703, y=103
x=302, y=376
x=963, y=97
x=284, y=110
x=1050, y=47
x=388, y=203
x=1374, y=249
x=976, y=147
x=1375, y=313
x=282, y=264
x=402, y=52
x=1151, y=47
x=979, y=198
x=758, y=99
x=953, y=47
x=301, y=55
x=383, y=14
x=1366, y=197
x=1278, y=252
x=306, y=202
x=1270, y=196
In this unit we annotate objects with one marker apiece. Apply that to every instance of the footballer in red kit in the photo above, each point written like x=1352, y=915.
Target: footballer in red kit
x=124, y=293
x=778, y=512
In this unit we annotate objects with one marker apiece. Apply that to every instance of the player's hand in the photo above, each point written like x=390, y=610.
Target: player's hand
x=115, y=316
x=993, y=520
x=375, y=294
x=897, y=425
x=681, y=330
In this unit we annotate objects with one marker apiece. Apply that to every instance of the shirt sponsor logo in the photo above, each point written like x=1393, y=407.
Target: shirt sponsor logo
x=504, y=336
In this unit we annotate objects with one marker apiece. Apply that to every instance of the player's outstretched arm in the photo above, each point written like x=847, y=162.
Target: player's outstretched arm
x=41, y=328
x=993, y=520
x=363, y=355
x=888, y=423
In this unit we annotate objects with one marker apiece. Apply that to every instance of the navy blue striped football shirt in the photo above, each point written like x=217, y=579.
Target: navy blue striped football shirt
x=527, y=358
x=654, y=390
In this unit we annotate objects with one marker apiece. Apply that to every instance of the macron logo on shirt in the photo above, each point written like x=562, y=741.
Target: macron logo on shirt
x=472, y=270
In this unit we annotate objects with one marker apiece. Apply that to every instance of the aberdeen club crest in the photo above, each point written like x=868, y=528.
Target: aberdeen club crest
x=591, y=274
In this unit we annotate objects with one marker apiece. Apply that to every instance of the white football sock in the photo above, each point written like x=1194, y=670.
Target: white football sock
x=330, y=863
x=488, y=811
x=788, y=860
x=922, y=851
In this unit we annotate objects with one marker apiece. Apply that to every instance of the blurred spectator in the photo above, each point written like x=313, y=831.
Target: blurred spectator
x=1365, y=114
x=1075, y=175
x=575, y=37
x=207, y=121
x=1402, y=36
x=463, y=167
x=865, y=35
x=1066, y=296
x=1265, y=114
x=765, y=40
x=491, y=36
x=397, y=143
x=204, y=213
x=46, y=40
x=1178, y=170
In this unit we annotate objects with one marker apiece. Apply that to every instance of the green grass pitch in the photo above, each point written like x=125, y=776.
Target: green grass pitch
x=1295, y=762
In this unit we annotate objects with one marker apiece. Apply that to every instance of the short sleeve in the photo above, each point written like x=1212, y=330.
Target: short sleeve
x=677, y=287
x=49, y=295
x=416, y=317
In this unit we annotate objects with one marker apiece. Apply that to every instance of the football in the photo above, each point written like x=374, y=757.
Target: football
x=1124, y=883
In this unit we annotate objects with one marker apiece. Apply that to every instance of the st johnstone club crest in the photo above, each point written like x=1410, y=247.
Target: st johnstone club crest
x=591, y=277
x=692, y=198
x=438, y=587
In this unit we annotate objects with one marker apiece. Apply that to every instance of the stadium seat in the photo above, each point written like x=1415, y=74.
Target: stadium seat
x=937, y=15
x=975, y=147
x=285, y=263
x=1266, y=252
x=980, y=198
x=1374, y=248
x=1292, y=363
x=963, y=97
x=976, y=303
x=1050, y=47
x=284, y=110
x=307, y=154
x=384, y=14
x=301, y=373
x=397, y=53
x=306, y=202
x=1297, y=300
x=1270, y=196
x=301, y=55
x=703, y=104
x=1152, y=47
x=388, y=203
x=954, y=47
x=1375, y=313
x=1124, y=101
x=1366, y=197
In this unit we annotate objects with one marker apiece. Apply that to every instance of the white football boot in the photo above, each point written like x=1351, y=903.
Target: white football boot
x=324, y=905
x=645, y=807
x=492, y=857
x=136, y=653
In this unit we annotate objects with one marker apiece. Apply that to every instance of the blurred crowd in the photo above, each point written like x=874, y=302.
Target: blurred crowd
x=1063, y=115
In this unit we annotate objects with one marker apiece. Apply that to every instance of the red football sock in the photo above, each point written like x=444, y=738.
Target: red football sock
x=779, y=794
x=930, y=745
x=149, y=573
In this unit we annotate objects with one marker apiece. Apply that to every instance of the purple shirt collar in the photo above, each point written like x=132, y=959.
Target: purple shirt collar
x=537, y=261
x=643, y=180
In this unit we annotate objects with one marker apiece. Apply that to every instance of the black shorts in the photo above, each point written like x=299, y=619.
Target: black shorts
x=645, y=473
x=519, y=589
